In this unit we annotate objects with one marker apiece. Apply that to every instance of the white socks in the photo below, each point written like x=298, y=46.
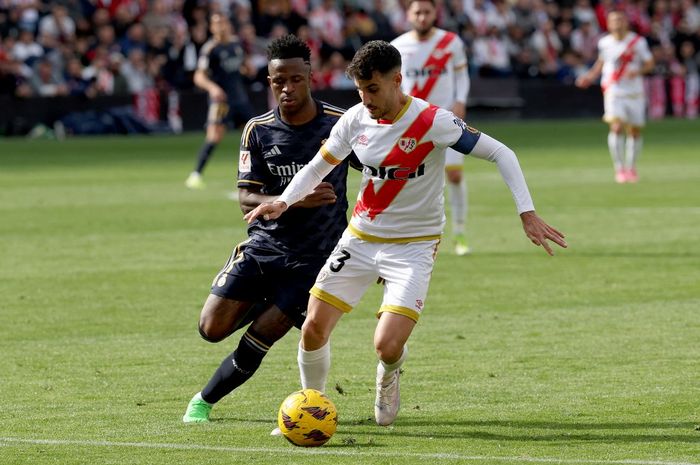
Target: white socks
x=634, y=147
x=314, y=366
x=385, y=370
x=616, y=145
x=458, y=205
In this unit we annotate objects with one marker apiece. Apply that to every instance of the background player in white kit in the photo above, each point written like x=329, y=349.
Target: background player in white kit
x=434, y=68
x=398, y=218
x=623, y=58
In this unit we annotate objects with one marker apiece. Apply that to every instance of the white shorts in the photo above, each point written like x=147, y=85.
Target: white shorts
x=355, y=264
x=453, y=159
x=627, y=109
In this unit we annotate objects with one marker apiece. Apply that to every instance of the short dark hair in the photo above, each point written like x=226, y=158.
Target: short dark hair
x=376, y=55
x=413, y=1
x=288, y=46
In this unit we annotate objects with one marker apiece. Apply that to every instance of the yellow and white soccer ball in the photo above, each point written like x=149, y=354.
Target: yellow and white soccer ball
x=307, y=418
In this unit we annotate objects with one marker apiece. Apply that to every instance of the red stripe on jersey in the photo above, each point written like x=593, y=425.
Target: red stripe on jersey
x=625, y=59
x=375, y=202
x=436, y=63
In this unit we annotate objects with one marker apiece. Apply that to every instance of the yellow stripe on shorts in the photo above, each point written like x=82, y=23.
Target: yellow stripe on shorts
x=330, y=299
x=405, y=311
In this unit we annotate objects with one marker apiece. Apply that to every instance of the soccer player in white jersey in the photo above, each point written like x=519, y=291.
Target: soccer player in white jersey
x=434, y=68
x=398, y=218
x=623, y=58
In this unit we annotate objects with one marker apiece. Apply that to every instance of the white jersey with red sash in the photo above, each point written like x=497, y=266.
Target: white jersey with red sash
x=619, y=57
x=428, y=66
x=401, y=195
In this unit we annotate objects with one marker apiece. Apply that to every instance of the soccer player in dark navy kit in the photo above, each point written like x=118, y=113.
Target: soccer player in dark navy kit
x=268, y=277
x=220, y=72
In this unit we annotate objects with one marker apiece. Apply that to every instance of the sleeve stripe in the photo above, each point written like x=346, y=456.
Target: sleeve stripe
x=266, y=118
x=329, y=157
x=327, y=106
x=248, y=181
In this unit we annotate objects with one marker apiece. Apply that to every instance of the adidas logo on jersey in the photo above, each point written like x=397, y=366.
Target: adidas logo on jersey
x=273, y=152
x=394, y=173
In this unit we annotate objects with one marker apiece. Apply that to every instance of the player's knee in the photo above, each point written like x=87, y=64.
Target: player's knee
x=209, y=332
x=454, y=176
x=388, y=350
x=313, y=334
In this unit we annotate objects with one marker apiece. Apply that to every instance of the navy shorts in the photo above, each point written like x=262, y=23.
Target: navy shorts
x=230, y=113
x=258, y=273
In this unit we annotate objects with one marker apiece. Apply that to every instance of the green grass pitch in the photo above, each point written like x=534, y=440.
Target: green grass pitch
x=589, y=357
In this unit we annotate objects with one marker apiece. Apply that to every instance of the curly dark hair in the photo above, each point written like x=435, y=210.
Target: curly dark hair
x=289, y=46
x=376, y=55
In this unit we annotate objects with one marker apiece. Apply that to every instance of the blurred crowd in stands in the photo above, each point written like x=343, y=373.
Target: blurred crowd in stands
x=112, y=47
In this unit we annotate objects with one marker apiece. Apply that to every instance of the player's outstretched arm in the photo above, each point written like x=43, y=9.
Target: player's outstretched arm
x=302, y=185
x=269, y=211
x=540, y=232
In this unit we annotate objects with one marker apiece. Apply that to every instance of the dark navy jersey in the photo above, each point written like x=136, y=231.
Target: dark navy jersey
x=222, y=62
x=272, y=152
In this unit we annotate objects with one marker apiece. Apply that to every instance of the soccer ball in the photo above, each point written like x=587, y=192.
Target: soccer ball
x=307, y=418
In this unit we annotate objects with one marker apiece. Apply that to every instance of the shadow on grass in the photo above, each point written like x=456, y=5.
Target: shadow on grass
x=529, y=431
x=519, y=431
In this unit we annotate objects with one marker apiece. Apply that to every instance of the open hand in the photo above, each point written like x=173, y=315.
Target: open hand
x=539, y=232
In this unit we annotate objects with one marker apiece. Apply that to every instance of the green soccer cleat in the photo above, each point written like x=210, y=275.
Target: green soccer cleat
x=197, y=410
x=461, y=247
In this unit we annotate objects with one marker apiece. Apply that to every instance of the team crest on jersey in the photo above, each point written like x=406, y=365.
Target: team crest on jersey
x=439, y=53
x=407, y=144
x=244, y=161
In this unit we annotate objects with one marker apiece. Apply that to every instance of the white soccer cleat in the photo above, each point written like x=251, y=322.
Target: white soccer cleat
x=194, y=181
x=276, y=432
x=388, y=400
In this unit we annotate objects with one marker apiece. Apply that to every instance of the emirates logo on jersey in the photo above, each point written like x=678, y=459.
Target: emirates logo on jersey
x=407, y=144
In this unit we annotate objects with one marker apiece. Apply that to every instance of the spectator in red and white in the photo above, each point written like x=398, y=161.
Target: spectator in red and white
x=637, y=13
x=47, y=81
x=334, y=75
x=691, y=62
x=327, y=23
x=601, y=11
x=545, y=41
x=584, y=41
x=58, y=24
x=491, y=56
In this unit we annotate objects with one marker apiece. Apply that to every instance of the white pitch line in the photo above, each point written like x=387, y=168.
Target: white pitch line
x=4, y=441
